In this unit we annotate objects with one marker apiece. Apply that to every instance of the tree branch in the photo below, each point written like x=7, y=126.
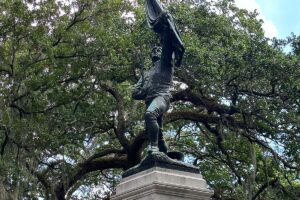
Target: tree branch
x=6, y=71
x=210, y=104
x=265, y=186
x=206, y=118
x=5, y=140
x=121, y=115
x=73, y=22
x=276, y=156
x=41, y=177
x=116, y=161
x=219, y=140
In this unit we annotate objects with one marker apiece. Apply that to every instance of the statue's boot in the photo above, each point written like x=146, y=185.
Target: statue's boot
x=162, y=146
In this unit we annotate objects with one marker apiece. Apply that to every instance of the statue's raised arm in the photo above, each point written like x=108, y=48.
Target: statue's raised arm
x=158, y=19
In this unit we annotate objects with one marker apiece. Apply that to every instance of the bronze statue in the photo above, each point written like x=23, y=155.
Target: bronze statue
x=154, y=86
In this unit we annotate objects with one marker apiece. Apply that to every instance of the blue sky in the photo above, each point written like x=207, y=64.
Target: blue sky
x=281, y=17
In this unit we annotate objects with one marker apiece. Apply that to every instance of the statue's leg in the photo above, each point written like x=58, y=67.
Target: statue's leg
x=155, y=109
x=161, y=142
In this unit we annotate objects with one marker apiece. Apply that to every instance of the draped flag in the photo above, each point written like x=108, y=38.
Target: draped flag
x=157, y=18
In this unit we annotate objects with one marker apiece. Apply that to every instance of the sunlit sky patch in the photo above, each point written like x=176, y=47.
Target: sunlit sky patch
x=281, y=17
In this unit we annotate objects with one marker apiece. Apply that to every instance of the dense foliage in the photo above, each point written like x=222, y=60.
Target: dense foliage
x=68, y=125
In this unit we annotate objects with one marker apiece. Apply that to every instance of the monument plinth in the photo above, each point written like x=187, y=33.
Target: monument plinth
x=156, y=178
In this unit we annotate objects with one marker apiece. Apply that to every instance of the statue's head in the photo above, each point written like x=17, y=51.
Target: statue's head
x=156, y=53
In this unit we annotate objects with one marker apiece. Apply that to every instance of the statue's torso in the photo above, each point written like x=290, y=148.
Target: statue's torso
x=159, y=80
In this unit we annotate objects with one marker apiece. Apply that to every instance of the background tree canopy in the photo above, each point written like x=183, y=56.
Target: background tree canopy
x=68, y=125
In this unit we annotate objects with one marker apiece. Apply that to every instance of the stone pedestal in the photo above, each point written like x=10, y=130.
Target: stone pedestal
x=159, y=183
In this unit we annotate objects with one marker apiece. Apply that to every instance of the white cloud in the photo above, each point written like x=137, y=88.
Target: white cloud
x=268, y=26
